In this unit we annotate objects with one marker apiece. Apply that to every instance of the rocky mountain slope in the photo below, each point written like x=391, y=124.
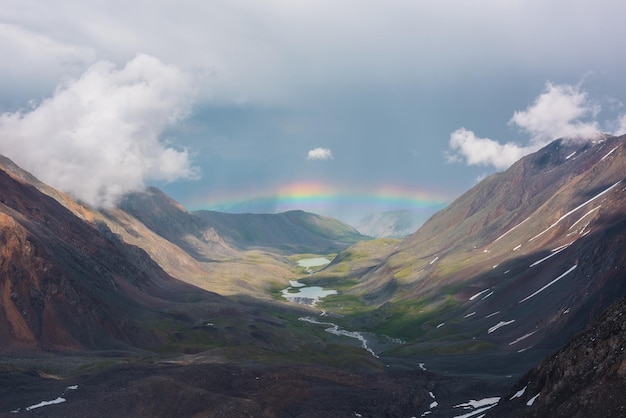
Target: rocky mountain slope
x=67, y=284
x=513, y=267
x=585, y=378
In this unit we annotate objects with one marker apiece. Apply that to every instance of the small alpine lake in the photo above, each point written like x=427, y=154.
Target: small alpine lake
x=313, y=262
x=307, y=295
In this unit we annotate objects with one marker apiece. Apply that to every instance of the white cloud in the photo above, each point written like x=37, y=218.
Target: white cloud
x=465, y=145
x=621, y=126
x=559, y=112
x=320, y=154
x=99, y=136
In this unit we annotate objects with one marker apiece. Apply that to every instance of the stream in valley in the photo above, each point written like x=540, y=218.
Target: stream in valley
x=336, y=330
x=309, y=295
x=301, y=293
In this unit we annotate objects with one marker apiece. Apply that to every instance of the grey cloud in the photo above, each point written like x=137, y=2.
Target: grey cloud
x=279, y=50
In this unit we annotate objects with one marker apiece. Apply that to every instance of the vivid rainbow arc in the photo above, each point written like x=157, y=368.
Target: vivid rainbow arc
x=312, y=196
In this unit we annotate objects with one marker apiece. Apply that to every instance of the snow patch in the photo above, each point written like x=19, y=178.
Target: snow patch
x=519, y=393
x=532, y=400
x=582, y=230
x=499, y=325
x=584, y=216
x=46, y=403
x=479, y=293
x=480, y=403
x=561, y=247
x=523, y=337
x=549, y=256
x=511, y=230
x=549, y=284
x=574, y=210
x=58, y=400
x=479, y=406
x=609, y=153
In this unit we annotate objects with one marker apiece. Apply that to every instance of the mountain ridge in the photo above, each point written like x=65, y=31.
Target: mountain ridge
x=291, y=232
x=478, y=274
x=71, y=285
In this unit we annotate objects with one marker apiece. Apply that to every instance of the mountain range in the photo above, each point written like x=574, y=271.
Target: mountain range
x=153, y=297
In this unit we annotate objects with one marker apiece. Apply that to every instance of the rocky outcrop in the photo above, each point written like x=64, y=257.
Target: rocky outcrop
x=585, y=378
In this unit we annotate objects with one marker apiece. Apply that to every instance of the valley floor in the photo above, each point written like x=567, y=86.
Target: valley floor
x=195, y=386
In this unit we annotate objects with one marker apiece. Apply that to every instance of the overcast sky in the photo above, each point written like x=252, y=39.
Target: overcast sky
x=342, y=107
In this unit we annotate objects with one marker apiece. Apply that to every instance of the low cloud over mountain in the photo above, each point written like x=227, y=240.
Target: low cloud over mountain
x=561, y=111
x=101, y=135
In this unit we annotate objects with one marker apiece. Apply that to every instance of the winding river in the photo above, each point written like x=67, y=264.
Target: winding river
x=310, y=295
x=334, y=329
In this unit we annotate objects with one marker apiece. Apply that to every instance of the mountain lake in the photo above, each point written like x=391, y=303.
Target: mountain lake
x=307, y=295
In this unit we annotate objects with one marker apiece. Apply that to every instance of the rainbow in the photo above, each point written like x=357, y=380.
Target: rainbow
x=321, y=198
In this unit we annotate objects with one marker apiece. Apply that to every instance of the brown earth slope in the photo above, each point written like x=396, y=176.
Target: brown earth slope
x=68, y=284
